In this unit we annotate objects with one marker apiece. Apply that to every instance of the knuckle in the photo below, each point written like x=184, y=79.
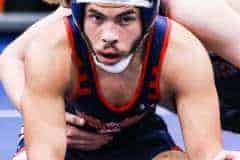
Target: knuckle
x=70, y=131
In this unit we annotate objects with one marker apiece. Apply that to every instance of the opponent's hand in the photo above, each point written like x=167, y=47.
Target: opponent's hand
x=80, y=139
x=228, y=155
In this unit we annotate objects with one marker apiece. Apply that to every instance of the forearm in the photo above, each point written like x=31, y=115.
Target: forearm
x=235, y=4
x=45, y=152
x=222, y=39
x=49, y=149
x=202, y=132
x=219, y=34
x=45, y=133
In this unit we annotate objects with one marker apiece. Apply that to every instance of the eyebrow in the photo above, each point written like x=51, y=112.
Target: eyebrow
x=130, y=11
x=96, y=12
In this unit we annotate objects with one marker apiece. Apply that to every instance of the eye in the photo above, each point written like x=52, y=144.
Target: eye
x=97, y=19
x=126, y=19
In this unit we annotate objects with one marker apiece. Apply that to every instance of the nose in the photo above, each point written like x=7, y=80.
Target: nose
x=110, y=33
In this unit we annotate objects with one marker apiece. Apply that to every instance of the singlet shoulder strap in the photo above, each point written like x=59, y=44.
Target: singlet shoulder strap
x=151, y=94
x=80, y=44
x=81, y=49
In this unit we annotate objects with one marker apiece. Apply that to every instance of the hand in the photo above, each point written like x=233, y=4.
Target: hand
x=228, y=155
x=80, y=139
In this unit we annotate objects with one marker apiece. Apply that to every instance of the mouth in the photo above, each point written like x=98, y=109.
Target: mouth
x=108, y=58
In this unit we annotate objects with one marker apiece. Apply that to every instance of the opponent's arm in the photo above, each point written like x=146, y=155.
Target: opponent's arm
x=47, y=75
x=215, y=22
x=11, y=61
x=188, y=71
x=235, y=4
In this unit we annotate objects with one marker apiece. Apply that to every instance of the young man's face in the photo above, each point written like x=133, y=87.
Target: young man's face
x=112, y=30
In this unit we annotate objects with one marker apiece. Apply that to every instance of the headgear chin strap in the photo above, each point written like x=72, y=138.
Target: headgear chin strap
x=115, y=68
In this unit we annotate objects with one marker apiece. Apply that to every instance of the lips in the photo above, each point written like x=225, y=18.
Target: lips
x=108, y=58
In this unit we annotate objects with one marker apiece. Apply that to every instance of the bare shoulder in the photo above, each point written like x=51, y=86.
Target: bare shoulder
x=48, y=58
x=186, y=58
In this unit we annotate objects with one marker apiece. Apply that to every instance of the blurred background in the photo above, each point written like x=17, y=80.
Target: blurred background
x=15, y=17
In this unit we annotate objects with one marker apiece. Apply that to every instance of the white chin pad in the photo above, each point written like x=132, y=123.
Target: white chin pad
x=115, y=68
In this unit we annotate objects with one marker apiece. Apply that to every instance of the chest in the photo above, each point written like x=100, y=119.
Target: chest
x=119, y=89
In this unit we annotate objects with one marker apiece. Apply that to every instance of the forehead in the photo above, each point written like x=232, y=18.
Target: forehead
x=109, y=8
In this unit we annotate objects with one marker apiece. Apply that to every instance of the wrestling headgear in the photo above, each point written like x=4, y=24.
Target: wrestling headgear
x=148, y=10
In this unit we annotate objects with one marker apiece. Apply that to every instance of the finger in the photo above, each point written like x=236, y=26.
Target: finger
x=85, y=147
x=71, y=141
x=232, y=155
x=74, y=120
x=87, y=142
x=77, y=133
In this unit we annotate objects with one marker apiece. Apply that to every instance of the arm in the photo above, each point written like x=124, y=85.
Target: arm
x=187, y=70
x=47, y=74
x=235, y=4
x=11, y=61
x=215, y=22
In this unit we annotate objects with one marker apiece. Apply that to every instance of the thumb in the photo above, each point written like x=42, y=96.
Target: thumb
x=74, y=120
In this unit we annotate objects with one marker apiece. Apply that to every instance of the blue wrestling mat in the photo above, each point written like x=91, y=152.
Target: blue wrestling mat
x=10, y=123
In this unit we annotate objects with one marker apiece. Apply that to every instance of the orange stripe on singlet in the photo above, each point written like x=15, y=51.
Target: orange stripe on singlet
x=2, y=5
x=158, y=68
x=77, y=90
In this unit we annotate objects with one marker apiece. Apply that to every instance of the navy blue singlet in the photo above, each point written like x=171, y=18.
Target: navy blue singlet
x=145, y=134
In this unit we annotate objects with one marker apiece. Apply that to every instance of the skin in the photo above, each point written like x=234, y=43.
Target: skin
x=14, y=56
x=205, y=28
x=188, y=79
x=212, y=22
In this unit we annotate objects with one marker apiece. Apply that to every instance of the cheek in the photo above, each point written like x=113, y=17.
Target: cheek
x=131, y=35
x=90, y=32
